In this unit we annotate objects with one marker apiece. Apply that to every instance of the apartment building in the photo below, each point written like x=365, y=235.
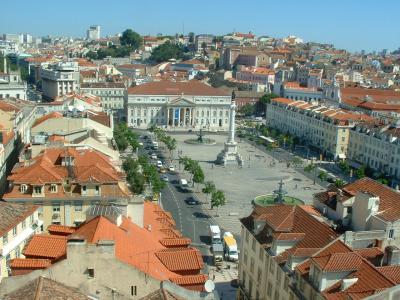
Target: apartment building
x=339, y=272
x=65, y=181
x=111, y=94
x=377, y=145
x=128, y=248
x=325, y=128
x=363, y=205
x=11, y=85
x=60, y=79
x=17, y=225
x=203, y=39
x=275, y=239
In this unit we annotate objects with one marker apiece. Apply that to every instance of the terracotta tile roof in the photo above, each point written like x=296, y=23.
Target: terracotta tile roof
x=289, y=236
x=337, y=257
x=369, y=253
x=12, y=214
x=392, y=272
x=60, y=229
x=338, y=262
x=305, y=252
x=30, y=263
x=103, y=85
x=45, y=289
x=290, y=219
x=189, y=280
x=9, y=107
x=46, y=168
x=46, y=246
x=181, y=259
x=192, y=87
x=389, y=205
x=177, y=242
x=47, y=117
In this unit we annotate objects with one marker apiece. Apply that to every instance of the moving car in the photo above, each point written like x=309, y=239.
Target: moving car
x=192, y=201
x=153, y=156
x=171, y=168
x=159, y=164
x=164, y=178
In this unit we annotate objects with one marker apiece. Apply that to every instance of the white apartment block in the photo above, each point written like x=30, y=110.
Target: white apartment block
x=17, y=225
x=325, y=128
x=60, y=79
x=93, y=33
x=12, y=86
x=178, y=106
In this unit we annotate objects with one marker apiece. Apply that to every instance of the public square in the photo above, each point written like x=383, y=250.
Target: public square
x=242, y=184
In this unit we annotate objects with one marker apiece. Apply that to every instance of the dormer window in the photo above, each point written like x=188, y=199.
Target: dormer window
x=84, y=190
x=53, y=188
x=23, y=188
x=37, y=189
x=97, y=191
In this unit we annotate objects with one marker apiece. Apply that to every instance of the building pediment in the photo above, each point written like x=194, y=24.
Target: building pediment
x=181, y=101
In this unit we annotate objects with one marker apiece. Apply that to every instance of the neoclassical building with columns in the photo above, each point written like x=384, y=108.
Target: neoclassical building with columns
x=178, y=106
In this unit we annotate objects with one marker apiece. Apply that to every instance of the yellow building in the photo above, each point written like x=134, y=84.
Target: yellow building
x=64, y=182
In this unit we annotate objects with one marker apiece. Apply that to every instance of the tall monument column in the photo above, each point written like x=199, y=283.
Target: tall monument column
x=230, y=154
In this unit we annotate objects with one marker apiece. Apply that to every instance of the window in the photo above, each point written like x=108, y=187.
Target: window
x=31, y=220
x=253, y=245
x=259, y=275
x=97, y=189
x=84, y=190
x=271, y=266
x=53, y=188
x=252, y=265
x=38, y=189
x=78, y=205
x=15, y=231
x=17, y=252
x=133, y=290
x=5, y=239
x=391, y=233
x=23, y=224
x=247, y=236
x=90, y=272
x=23, y=188
x=56, y=207
x=269, y=289
x=261, y=255
x=245, y=257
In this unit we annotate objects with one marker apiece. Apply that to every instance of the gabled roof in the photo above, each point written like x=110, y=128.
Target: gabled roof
x=181, y=259
x=45, y=289
x=338, y=262
x=30, y=263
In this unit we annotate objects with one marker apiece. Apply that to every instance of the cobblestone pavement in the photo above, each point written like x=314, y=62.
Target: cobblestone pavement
x=241, y=185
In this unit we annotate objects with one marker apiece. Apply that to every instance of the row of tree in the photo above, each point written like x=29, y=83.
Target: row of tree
x=124, y=137
x=168, y=141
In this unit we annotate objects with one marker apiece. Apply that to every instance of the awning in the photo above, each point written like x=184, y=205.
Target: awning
x=342, y=155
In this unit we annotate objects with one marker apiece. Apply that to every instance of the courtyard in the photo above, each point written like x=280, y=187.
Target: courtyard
x=259, y=175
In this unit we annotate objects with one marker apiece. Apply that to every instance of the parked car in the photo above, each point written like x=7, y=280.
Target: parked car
x=159, y=164
x=164, y=178
x=171, y=168
x=153, y=156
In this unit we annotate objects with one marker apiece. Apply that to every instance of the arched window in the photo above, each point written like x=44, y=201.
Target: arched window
x=24, y=188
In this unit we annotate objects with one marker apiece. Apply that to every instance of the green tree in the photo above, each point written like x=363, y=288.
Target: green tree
x=198, y=175
x=131, y=38
x=344, y=166
x=309, y=168
x=91, y=55
x=247, y=109
x=383, y=180
x=339, y=183
x=217, y=199
x=209, y=188
x=167, y=51
x=264, y=100
x=322, y=175
x=360, y=172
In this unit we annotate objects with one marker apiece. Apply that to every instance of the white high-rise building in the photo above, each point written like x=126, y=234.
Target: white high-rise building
x=93, y=33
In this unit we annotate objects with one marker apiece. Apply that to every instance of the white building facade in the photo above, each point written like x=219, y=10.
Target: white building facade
x=61, y=79
x=178, y=106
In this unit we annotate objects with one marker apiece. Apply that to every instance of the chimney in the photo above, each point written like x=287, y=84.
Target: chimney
x=392, y=255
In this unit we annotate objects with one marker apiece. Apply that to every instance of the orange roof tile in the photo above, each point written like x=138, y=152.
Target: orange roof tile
x=30, y=263
x=46, y=246
x=181, y=259
x=177, y=242
x=53, y=115
x=60, y=229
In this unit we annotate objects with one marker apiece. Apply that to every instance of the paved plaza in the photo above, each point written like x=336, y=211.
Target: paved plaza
x=242, y=184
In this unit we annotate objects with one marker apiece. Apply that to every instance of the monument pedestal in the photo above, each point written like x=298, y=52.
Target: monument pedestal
x=229, y=154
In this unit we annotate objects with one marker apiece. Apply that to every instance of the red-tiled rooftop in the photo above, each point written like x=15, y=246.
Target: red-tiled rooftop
x=30, y=263
x=46, y=246
x=60, y=229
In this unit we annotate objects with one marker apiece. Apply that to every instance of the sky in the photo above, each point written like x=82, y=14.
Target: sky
x=349, y=24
